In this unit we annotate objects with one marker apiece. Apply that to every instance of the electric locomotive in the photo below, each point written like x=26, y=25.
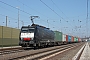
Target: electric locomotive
x=35, y=36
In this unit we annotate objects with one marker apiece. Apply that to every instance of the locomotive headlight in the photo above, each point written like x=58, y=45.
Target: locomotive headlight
x=32, y=38
x=21, y=38
x=21, y=34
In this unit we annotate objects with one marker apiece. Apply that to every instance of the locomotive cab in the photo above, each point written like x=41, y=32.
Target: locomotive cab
x=26, y=35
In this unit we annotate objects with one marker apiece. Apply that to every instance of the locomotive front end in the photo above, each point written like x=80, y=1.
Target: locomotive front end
x=26, y=36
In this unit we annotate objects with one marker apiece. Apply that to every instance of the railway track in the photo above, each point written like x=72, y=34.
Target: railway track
x=10, y=51
x=48, y=54
x=4, y=51
x=36, y=54
x=45, y=53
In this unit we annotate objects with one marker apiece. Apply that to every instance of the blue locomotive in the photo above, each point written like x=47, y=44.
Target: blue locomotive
x=36, y=36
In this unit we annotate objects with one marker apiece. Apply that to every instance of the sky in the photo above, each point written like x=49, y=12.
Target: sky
x=67, y=16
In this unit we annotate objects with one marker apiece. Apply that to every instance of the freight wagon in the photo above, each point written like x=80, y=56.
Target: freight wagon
x=64, y=39
x=61, y=38
x=69, y=39
x=58, y=38
x=72, y=39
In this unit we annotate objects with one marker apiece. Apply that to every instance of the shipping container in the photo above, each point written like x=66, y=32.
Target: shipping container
x=72, y=38
x=69, y=38
x=79, y=39
x=64, y=38
x=75, y=39
x=58, y=36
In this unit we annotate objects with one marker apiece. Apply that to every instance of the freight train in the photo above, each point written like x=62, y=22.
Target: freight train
x=40, y=36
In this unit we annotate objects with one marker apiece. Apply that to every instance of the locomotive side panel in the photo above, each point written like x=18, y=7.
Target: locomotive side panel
x=44, y=35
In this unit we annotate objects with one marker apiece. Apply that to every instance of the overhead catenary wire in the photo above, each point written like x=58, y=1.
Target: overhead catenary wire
x=26, y=5
x=36, y=11
x=56, y=13
x=51, y=9
x=12, y=19
x=10, y=11
x=58, y=7
x=48, y=17
x=15, y=8
x=68, y=18
x=31, y=8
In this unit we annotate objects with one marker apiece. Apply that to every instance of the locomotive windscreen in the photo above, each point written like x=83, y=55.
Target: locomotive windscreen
x=31, y=29
x=27, y=29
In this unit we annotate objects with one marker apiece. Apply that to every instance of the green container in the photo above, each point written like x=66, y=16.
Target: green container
x=58, y=36
x=75, y=39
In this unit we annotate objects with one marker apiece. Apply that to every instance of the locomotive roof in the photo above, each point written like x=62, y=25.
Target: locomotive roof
x=39, y=26
x=34, y=25
x=27, y=26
